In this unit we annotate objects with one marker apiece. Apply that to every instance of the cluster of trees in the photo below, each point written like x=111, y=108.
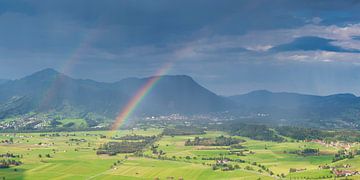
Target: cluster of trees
x=10, y=155
x=154, y=150
x=46, y=155
x=347, y=136
x=94, y=119
x=262, y=168
x=310, y=151
x=134, y=137
x=118, y=162
x=183, y=130
x=306, y=152
x=49, y=135
x=113, y=148
x=77, y=140
x=301, y=133
x=218, y=141
x=8, y=141
x=342, y=154
x=54, y=123
x=225, y=167
x=263, y=132
x=6, y=163
x=222, y=158
x=55, y=134
x=253, y=131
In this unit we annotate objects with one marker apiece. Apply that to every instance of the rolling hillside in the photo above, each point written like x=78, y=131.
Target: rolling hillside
x=50, y=90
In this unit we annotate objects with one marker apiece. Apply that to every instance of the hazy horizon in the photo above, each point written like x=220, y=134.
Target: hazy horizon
x=240, y=93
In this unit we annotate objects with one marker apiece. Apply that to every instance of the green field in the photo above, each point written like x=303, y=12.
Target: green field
x=78, y=160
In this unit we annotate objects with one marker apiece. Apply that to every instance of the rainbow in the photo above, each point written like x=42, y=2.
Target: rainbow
x=146, y=88
x=133, y=103
x=138, y=97
x=75, y=56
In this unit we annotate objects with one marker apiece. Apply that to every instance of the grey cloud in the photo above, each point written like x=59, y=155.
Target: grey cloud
x=312, y=43
x=109, y=40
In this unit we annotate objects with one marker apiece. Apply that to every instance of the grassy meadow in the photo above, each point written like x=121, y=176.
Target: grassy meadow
x=72, y=155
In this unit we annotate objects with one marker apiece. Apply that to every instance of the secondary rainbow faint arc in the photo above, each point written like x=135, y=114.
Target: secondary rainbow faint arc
x=66, y=68
x=139, y=95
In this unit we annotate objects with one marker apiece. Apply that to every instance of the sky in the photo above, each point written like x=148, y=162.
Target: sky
x=228, y=46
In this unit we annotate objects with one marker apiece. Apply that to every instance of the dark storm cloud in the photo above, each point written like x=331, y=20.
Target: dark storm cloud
x=312, y=43
x=112, y=39
x=228, y=50
x=16, y=6
x=136, y=22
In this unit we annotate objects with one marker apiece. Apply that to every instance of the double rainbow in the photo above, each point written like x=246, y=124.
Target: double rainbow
x=127, y=111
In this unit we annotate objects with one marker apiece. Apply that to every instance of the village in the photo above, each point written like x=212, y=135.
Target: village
x=336, y=144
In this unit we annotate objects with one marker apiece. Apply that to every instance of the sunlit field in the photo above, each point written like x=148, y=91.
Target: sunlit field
x=62, y=157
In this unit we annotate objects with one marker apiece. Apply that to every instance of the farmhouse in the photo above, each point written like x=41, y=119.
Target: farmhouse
x=223, y=161
x=341, y=173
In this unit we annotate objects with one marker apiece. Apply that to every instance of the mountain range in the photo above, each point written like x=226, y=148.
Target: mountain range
x=49, y=90
x=337, y=110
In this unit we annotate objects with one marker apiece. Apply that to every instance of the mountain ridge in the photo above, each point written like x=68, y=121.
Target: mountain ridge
x=49, y=90
x=172, y=93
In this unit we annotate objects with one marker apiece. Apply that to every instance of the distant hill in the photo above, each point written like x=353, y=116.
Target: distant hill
x=300, y=108
x=50, y=90
x=263, y=98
